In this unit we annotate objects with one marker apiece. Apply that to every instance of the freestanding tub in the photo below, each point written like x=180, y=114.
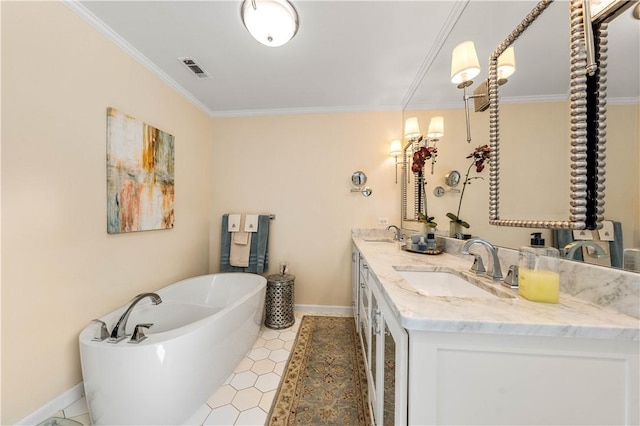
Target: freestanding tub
x=202, y=329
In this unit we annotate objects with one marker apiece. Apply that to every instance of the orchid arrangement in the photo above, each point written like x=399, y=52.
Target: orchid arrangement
x=419, y=160
x=478, y=157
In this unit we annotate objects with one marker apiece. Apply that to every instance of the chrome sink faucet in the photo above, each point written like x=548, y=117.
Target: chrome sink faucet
x=397, y=236
x=118, y=332
x=496, y=272
x=570, y=249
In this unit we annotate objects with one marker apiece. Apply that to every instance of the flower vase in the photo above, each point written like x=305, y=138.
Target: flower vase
x=423, y=228
x=455, y=230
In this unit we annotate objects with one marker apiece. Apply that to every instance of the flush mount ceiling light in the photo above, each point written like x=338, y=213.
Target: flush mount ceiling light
x=271, y=22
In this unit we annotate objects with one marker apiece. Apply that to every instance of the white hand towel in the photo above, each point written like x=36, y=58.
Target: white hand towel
x=251, y=223
x=241, y=238
x=240, y=246
x=234, y=223
x=582, y=235
x=606, y=233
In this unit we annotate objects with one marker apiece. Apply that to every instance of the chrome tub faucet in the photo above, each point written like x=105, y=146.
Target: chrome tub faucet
x=118, y=332
x=478, y=267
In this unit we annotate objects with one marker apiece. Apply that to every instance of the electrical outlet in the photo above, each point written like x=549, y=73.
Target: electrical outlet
x=383, y=221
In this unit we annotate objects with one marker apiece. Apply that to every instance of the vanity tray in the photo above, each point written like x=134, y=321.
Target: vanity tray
x=431, y=251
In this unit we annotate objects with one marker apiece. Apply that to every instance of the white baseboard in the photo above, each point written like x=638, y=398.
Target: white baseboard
x=53, y=406
x=325, y=309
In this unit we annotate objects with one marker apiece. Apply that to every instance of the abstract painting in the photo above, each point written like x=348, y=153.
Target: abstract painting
x=140, y=175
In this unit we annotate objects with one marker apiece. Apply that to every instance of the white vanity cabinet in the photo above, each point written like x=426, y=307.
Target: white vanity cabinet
x=471, y=378
x=355, y=281
x=390, y=353
x=429, y=366
x=384, y=344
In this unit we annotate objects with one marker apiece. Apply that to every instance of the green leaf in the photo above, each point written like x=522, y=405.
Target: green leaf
x=463, y=223
x=452, y=216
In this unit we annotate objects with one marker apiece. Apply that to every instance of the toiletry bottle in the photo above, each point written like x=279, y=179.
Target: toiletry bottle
x=431, y=241
x=538, y=277
x=422, y=245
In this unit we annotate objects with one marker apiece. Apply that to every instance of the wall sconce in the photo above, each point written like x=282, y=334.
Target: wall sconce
x=396, y=150
x=435, y=132
x=506, y=65
x=271, y=22
x=411, y=128
x=465, y=66
x=412, y=133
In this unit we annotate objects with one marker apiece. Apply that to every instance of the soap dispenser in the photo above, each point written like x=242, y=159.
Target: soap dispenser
x=538, y=277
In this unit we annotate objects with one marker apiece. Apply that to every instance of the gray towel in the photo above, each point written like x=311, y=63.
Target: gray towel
x=258, y=253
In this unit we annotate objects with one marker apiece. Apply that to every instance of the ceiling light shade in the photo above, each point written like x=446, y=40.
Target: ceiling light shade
x=464, y=63
x=506, y=63
x=396, y=148
x=436, y=128
x=411, y=128
x=271, y=22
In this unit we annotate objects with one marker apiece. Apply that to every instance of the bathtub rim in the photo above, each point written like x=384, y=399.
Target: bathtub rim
x=88, y=332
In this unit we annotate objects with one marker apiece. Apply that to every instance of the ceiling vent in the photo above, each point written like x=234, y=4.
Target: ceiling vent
x=195, y=67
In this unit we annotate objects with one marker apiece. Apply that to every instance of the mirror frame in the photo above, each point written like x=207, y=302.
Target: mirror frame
x=407, y=155
x=582, y=201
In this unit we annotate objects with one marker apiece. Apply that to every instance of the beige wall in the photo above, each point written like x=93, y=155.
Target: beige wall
x=299, y=168
x=60, y=268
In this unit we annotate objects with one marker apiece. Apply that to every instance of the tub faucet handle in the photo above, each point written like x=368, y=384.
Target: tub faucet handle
x=102, y=333
x=138, y=333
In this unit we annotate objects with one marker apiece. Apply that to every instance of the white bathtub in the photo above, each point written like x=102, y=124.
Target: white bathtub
x=202, y=330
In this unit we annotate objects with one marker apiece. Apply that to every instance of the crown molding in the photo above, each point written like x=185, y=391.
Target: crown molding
x=441, y=38
x=301, y=111
x=104, y=29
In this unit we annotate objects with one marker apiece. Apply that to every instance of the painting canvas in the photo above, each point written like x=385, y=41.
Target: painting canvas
x=140, y=175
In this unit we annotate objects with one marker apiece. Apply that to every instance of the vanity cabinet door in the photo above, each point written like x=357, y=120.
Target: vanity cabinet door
x=355, y=283
x=522, y=380
x=391, y=354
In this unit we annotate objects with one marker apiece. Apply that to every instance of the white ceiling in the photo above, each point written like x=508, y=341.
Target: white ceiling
x=353, y=55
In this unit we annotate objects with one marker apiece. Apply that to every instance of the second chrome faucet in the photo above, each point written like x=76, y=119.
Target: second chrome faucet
x=478, y=267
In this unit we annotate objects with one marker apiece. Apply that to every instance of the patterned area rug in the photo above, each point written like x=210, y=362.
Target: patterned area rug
x=325, y=382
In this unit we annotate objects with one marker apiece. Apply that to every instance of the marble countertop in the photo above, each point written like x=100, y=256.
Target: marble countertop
x=509, y=314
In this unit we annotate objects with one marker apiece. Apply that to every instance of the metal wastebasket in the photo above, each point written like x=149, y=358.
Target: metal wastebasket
x=279, y=301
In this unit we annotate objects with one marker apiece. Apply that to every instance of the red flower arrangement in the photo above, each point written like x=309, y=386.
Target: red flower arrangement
x=420, y=157
x=479, y=156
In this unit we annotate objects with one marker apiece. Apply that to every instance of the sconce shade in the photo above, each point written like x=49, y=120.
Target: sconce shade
x=436, y=128
x=464, y=63
x=506, y=63
x=271, y=22
x=411, y=128
x=396, y=148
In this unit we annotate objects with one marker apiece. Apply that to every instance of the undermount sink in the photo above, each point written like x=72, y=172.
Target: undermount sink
x=378, y=240
x=439, y=283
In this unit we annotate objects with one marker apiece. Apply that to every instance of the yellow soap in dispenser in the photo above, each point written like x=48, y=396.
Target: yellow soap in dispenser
x=538, y=277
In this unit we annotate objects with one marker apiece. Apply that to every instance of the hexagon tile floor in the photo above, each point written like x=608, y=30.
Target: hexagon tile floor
x=246, y=396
